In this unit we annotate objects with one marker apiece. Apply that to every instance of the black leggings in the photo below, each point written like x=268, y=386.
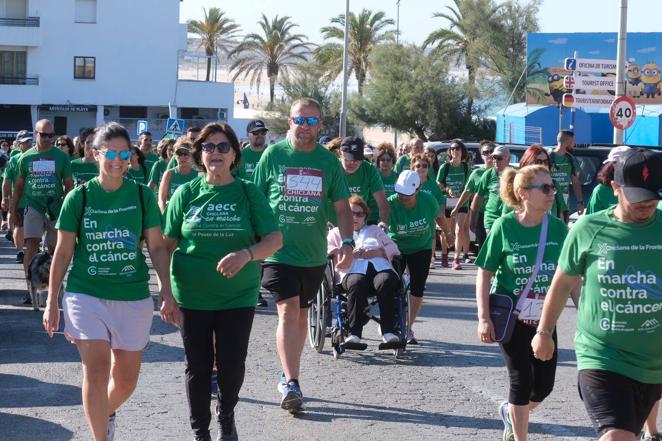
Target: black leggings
x=232, y=329
x=419, y=269
x=530, y=378
x=359, y=287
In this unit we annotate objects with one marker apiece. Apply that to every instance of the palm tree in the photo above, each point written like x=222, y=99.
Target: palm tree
x=365, y=32
x=216, y=32
x=464, y=39
x=278, y=49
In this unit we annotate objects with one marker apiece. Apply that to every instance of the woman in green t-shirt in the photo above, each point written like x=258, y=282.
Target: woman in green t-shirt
x=137, y=168
x=166, y=152
x=385, y=160
x=508, y=257
x=107, y=305
x=85, y=168
x=211, y=225
x=183, y=173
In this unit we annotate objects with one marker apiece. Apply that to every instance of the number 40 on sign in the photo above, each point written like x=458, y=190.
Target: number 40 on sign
x=622, y=112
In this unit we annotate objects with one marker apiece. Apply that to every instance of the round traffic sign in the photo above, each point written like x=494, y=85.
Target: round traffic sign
x=622, y=112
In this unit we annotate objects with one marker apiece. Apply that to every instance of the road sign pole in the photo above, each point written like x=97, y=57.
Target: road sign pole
x=572, y=110
x=620, y=60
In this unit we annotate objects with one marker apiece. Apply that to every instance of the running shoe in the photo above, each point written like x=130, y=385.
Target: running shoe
x=205, y=437
x=504, y=413
x=467, y=259
x=213, y=384
x=282, y=382
x=292, y=399
x=19, y=257
x=111, y=428
x=456, y=265
x=411, y=339
x=261, y=302
x=354, y=339
x=654, y=437
x=444, y=260
x=228, y=430
x=389, y=337
x=9, y=236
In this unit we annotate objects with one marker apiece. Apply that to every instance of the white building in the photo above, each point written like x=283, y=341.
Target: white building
x=82, y=62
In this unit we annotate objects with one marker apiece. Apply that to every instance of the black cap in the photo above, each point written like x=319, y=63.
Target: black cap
x=639, y=172
x=255, y=125
x=352, y=148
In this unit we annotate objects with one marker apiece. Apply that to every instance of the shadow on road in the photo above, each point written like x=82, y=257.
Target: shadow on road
x=21, y=391
x=13, y=427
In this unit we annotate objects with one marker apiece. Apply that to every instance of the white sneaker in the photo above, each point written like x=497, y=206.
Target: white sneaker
x=111, y=428
x=390, y=338
x=353, y=339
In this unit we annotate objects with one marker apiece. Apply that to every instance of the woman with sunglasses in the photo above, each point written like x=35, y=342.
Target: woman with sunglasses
x=180, y=175
x=488, y=189
x=66, y=144
x=411, y=226
x=166, y=153
x=107, y=305
x=211, y=225
x=385, y=161
x=85, y=168
x=508, y=257
x=371, y=273
x=137, y=167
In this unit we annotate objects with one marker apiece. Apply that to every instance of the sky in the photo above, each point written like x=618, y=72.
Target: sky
x=416, y=20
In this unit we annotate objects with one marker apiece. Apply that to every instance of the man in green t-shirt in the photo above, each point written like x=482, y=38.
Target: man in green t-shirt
x=619, y=318
x=24, y=140
x=564, y=167
x=298, y=176
x=404, y=161
x=363, y=179
x=251, y=154
x=488, y=188
x=43, y=178
x=145, y=145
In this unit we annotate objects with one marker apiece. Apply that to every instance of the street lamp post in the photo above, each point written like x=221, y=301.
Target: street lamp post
x=397, y=41
x=345, y=71
x=620, y=60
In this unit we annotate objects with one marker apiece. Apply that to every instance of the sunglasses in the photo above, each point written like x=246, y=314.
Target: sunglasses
x=223, y=147
x=497, y=157
x=540, y=162
x=310, y=120
x=182, y=153
x=259, y=132
x=61, y=144
x=486, y=152
x=358, y=213
x=422, y=165
x=46, y=134
x=546, y=188
x=112, y=154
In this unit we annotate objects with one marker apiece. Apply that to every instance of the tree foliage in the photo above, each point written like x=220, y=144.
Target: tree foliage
x=217, y=33
x=411, y=91
x=276, y=50
x=366, y=31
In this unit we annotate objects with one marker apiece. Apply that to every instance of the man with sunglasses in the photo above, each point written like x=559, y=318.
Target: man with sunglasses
x=43, y=178
x=404, y=161
x=256, y=131
x=564, y=168
x=298, y=176
x=488, y=188
x=145, y=145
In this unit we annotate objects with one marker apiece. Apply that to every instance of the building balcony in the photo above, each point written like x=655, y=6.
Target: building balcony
x=20, y=31
x=20, y=80
x=30, y=22
x=20, y=90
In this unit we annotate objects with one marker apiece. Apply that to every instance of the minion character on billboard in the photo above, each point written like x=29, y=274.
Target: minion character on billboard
x=650, y=77
x=634, y=74
x=556, y=89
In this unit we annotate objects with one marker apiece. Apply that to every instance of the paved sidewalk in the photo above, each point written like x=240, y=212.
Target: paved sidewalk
x=448, y=387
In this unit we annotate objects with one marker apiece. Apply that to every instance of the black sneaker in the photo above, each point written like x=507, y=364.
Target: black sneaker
x=9, y=236
x=19, y=257
x=205, y=437
x=261, y=302
x=228, y=429
x=27, y=300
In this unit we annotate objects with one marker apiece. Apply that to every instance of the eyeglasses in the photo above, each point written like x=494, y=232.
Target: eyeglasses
x=112, y=154
x=358, y=213
x=61, y=144
x=546, y=188
x=486, y=152
x=260, y=132
x=422, y=165
x=182, y=153
x=540, y=162
x=209, y=147
x=310, y=120
x=497, y=157
x=46, y=134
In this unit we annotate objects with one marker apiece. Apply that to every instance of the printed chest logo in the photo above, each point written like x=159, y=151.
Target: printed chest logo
x=213, y=220
x=302, y=195
x=43, y=167
x=111, y=246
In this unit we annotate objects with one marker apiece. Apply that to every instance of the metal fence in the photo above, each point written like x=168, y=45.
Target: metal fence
x=21, y=80
x=31, y=22
x=522, y=134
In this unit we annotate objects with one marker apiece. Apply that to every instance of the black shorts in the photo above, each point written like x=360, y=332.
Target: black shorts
x=460, y=210
x=287, y=281
x=614, y=401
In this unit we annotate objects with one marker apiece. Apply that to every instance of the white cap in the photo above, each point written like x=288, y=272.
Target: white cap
x=407, y=183
x=616, y=153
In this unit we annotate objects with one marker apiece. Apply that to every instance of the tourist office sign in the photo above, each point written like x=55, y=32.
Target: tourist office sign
x=600, y=78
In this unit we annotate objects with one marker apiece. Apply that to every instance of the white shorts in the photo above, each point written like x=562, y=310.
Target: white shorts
x=125, y=324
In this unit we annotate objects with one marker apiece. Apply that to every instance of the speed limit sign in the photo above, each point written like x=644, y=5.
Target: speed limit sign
x=622, y=112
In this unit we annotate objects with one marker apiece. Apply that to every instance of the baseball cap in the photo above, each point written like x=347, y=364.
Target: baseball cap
x=23, y=136
x=616, y=153
x=407, y=183
x=183, y=146
x=368, y=151
x=639, y=172
x=352, y=148
x=255, y=125
x=501, y=150
x=325, y=140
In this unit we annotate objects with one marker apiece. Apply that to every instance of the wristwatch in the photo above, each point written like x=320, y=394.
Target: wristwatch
x=349, y=241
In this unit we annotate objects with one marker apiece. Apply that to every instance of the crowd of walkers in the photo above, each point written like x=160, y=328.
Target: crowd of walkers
x=220, y=220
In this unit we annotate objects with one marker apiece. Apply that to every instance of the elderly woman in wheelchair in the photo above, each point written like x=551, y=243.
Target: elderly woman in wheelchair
x=371, y=274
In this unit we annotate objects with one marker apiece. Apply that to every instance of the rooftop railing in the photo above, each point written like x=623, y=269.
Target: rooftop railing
x=31, y=22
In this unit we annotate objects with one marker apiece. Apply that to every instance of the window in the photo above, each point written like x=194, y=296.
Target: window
x=86, y=11
x=85, y=68
x=13, y=64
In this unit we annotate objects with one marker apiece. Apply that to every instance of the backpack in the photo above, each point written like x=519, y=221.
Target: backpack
x=446, y=169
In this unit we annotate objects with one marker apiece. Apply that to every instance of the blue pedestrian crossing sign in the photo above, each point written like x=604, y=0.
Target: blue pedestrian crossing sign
x=175, y=126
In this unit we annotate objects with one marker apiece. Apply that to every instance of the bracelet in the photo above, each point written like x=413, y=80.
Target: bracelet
x=544, y=332
x=250, y=253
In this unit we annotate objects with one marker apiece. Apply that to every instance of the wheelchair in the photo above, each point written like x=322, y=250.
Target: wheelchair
x=332, y=297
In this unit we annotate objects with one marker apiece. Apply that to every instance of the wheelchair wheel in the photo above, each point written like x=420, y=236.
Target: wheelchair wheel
x=317, y=320
x=404, y=318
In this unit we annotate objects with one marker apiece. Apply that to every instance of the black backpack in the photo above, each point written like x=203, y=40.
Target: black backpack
x=446, y=169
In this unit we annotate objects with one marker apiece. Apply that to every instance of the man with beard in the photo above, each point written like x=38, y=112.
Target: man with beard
x=564, y=167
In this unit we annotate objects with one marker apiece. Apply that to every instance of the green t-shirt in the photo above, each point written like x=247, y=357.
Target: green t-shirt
x=488, y=188
x=10, y=170
x=83, y=171
x=619, y=319
x=510, y=251
x=139, y=175
x=472, y=184
x=562, y=171
x=177, y=179
x=365, y=182
x=44, y=174
x=403, y=163
x=389, y=183
x=602, y=197
x=431, y=187
x=558, y=205
x=150, y=159
x=156, y=173
x=298, y=185
x=209, y=222
x=456, y=178
x=413, y=230
x=15, y=152
x=248, y=162
x=108, y=261
x=173, y=162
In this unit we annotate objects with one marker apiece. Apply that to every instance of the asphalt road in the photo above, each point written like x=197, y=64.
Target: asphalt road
x=448, y=387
